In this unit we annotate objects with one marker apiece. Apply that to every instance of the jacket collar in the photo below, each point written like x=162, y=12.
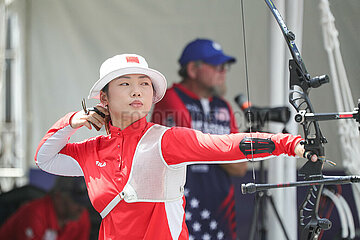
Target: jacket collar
x=135, y=127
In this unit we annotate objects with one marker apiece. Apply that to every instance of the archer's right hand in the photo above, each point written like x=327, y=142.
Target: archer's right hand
x=300, y=151
x=82, y=119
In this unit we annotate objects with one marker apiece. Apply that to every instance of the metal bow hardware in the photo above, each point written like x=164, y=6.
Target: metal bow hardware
x=310, y=224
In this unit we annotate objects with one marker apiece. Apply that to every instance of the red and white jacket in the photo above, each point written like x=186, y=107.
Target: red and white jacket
x=106, y=163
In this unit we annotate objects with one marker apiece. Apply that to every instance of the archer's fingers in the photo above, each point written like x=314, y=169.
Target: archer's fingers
x=299, y=150
x=95, y=119
x=83, y=122
x=102, y=109
x=311, y=156
x=87, y=124
x=78, y=120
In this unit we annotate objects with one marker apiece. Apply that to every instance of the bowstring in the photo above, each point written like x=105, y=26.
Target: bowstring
x=247, y=88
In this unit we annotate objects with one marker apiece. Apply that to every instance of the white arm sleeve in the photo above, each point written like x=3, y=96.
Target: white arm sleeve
x=50, y=160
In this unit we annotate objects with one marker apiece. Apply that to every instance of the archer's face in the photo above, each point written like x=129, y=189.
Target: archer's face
x=129, y=97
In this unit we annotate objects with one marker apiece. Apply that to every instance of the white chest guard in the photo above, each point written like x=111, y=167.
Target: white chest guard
x=151, y=179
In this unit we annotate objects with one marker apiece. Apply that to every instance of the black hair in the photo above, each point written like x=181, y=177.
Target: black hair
x=183, y=71
x=105, y=89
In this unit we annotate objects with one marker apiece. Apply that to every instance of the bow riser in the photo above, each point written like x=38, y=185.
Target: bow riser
x=300, y=85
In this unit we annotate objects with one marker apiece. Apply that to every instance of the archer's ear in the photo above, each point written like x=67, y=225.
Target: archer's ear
x=104, y=98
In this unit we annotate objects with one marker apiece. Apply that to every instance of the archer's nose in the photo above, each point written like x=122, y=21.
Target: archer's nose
x=136, y=93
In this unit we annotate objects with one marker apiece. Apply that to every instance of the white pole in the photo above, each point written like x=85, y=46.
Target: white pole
x=294, y=17
x=277, y=65
x=2, y=48
x=283, y=169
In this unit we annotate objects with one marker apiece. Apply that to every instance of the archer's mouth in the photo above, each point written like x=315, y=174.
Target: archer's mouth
x=136, y=104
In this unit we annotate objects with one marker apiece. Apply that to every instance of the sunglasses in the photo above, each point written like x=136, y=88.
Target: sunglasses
x=219, y=68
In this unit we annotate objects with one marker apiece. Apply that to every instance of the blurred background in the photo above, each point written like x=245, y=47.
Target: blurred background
x=51, y=51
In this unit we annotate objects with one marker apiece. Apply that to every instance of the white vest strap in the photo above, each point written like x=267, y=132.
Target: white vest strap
x=112, y=204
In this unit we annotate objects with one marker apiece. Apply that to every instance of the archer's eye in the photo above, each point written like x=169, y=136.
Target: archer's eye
x=145, y=83
x=124, y=84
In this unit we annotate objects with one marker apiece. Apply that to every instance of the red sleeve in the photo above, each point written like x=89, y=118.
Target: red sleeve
x=54, y=154
x=171, y=111
x=183, y=145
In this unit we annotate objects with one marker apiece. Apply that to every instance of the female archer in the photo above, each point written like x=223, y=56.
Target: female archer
x=135, y=175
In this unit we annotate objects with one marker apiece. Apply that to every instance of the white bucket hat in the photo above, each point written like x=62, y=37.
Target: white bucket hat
x=124, y=64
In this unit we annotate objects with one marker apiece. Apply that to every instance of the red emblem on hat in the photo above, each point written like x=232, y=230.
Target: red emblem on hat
x=132, y=59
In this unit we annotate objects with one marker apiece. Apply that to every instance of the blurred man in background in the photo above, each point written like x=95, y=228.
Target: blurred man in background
x=196, y=102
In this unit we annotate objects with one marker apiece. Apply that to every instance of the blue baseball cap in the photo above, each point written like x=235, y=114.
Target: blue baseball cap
x=204, y=50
